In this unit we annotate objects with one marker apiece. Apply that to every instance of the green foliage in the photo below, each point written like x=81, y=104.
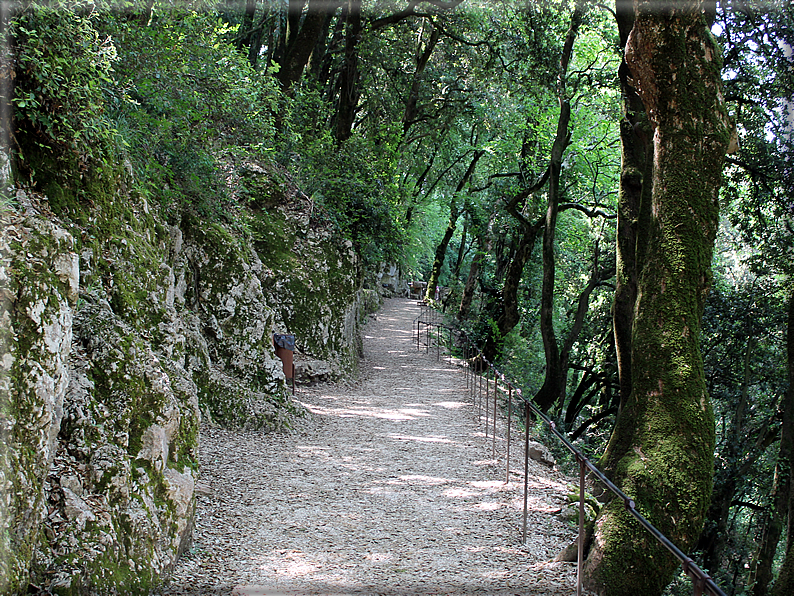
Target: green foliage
x=354, y=184
x=62, y=75
x=192, y=103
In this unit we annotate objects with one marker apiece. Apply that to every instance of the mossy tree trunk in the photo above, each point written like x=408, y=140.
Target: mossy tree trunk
x=785, y=581
x=634, y=198
x=661, y=451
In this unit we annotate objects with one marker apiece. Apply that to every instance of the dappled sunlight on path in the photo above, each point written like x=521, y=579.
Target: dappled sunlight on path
x=385, y=489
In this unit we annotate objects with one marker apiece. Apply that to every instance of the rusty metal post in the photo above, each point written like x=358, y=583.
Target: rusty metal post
x=477, y=388
x=466, y=372
x=526, y=471
x=509, y=418
x=698, y=583
x=487, y=402
x=580, y=555
x=495, y=398
x=477, y=383
x=479, y=395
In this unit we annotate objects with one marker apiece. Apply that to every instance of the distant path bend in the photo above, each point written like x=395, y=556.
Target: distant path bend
x=387, y=489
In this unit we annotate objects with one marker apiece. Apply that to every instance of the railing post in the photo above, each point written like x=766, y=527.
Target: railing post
x=526, y=471
x=487, y=402
x=509, y=418
x=698, y=583
x=702, y=583
x=479, y=398
x=466, y=371
x=580, y=555
x=477, y=394
x=471, y=380
x=495, y=398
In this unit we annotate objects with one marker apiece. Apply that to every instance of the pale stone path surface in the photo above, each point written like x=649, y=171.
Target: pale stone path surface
x=386, y=488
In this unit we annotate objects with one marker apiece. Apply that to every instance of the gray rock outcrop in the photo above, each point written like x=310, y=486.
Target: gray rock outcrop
x=120, y=332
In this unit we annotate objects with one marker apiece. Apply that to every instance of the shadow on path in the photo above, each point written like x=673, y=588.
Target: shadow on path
x=387, y=489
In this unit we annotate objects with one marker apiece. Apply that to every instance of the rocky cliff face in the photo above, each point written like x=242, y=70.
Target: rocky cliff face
x=121, y=331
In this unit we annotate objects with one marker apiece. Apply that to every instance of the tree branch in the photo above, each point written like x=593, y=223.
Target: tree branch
x=590, y=421
x=492, y=177
x=588, y=212
x=511, y=206
x=410, y=11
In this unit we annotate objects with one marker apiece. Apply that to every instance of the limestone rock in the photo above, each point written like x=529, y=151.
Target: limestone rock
x=569, y=554
x=569, y=513
x=35, y=341
x=541, y=454
x=310, y=372
x=77, y=510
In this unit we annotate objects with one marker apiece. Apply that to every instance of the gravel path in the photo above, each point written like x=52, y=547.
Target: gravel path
x=386, y=488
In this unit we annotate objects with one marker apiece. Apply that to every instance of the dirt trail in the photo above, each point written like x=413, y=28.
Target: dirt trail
x=387, y=488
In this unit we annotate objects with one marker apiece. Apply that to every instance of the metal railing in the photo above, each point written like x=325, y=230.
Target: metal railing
x=435, y=331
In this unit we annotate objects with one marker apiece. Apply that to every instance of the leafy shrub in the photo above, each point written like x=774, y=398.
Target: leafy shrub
x=192, y=100
x=356, y=182
x=62, y=74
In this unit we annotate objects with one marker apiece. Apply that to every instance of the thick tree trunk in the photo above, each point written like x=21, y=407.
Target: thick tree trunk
x=661, y=451
x=348, y=81
x=326, y=76
x=441, y=251
x=785, y=581
x=555, y=379
x=634, y=198
x=303, y=37
x=320, y=55
x=483, y=246
x=509, y=315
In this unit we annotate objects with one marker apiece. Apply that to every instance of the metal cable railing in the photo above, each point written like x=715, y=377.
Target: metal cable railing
x=435, y=331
